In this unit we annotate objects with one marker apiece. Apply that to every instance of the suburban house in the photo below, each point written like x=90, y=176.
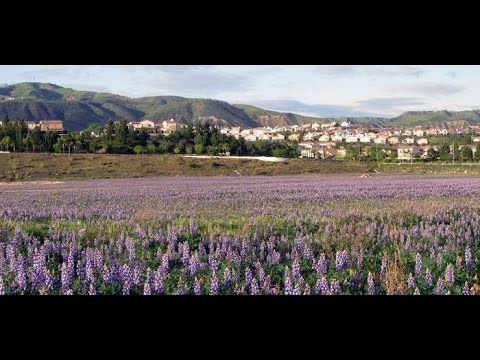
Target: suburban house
x=51, y=125
x=393, y=140
x=365, y=139
x=278, y=137
x=422, y=141
x=250, y=137
x=337, y=138
x=405, y=153
x=30, y=125
x=345, y=124
x=307, y=153
x=419, y=133
x=351, y=139
x=408, y=140
x=294, y=137
x=144, y=124
x=380, y=140
x=169, y=125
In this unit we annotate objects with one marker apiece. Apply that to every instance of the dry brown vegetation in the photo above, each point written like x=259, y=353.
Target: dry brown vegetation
x=34, y=167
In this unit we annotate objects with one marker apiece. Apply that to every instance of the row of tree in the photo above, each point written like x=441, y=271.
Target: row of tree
x=119, y=138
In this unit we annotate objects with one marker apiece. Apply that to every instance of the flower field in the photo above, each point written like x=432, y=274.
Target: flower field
x=292, y=235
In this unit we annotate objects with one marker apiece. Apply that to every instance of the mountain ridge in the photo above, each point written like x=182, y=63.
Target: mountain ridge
x=78, y=109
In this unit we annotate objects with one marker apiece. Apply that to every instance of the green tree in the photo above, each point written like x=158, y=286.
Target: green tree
x=444, y=153
x=121, y=134
x=6, y=142
x=36, y=138
x=466, y=153
x=179, y=148
x=199, y=148
x=189, y=150
x=151, y=148
x=477, y=151
x=432, y=154
x=138, y=149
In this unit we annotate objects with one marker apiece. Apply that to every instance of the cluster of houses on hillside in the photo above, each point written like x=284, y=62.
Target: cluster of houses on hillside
x=45, y=125
x=329, y=140
x=164, y=127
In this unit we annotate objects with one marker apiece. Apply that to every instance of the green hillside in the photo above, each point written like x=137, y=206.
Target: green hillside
x=79, y=109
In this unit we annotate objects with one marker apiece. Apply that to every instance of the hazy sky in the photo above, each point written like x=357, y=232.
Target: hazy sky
x=321, y=90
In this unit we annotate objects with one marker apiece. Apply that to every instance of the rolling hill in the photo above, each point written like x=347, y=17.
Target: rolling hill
x=79, y=109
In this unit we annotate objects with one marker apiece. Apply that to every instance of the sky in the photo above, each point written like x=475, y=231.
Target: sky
x=316, y=90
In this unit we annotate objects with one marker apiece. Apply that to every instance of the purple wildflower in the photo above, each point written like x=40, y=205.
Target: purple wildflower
x=288, y=286
x=296, y=268
x=197, y=287
x=449, y=275
x=248, y=277
x=371, y=284
x=468, y=260
x=227, y=278
x=158, y=282
x=428, y=278
x=306, y=290
x=466, y=289
x=322, y=286
x=92, y=290
x=440, y=288
x=146, y=288
x=214, y=284
x=254, y=287
x=418, y=265
x=411, y=281
x=341, y=260
x=2, y=286
x=334, y=287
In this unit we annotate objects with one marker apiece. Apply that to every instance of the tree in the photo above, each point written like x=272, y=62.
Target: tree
x=6, y=142
x=138, y=149
x=121, y=133
x=151, y=148
x=189, y=150
x=179, y=148
x=199, y=148
x=444, y=153
x=477, y=152
x=432, y=154
x=36, y=138
x=466, y=153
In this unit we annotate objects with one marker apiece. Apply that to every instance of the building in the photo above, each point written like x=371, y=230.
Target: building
x=51, y=125
x=169, y=125
x=307, y=153
x=393, y=140
x=422, y=141
x=31, y=125
x=144, y=124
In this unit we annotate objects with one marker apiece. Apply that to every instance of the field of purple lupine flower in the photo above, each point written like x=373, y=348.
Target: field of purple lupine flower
x=292, y=235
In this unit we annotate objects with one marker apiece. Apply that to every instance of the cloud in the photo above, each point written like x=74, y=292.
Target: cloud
x=429, y=89
x=321, y=110
x=370, y=70
x=381, y=104
x=199, y=83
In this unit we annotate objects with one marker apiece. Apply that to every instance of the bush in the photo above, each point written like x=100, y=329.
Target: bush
x=138, y=149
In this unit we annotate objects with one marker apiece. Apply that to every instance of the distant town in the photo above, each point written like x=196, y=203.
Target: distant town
x=334, y=140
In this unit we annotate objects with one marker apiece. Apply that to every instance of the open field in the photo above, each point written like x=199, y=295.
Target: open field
x=315, y=234
x=58, y=167
x=30, y=167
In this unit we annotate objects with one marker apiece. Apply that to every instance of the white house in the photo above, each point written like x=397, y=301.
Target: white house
x=365, y=139
x=408, y=140
x=351, y=139
x=380, y=140
x=422, y=141
x=307, y=153
x=336, y=138
x=393, y=140
x=278, y=137
x=309, y=136
x=250, y=137
x=345, y=124
x=443, y=132
x=419, y=133
x=404, y=153
x=324, y=138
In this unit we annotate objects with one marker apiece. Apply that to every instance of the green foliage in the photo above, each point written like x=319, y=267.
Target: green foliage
x=138, y=149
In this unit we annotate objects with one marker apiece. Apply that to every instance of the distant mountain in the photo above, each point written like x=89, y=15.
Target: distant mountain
x=79, y=109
